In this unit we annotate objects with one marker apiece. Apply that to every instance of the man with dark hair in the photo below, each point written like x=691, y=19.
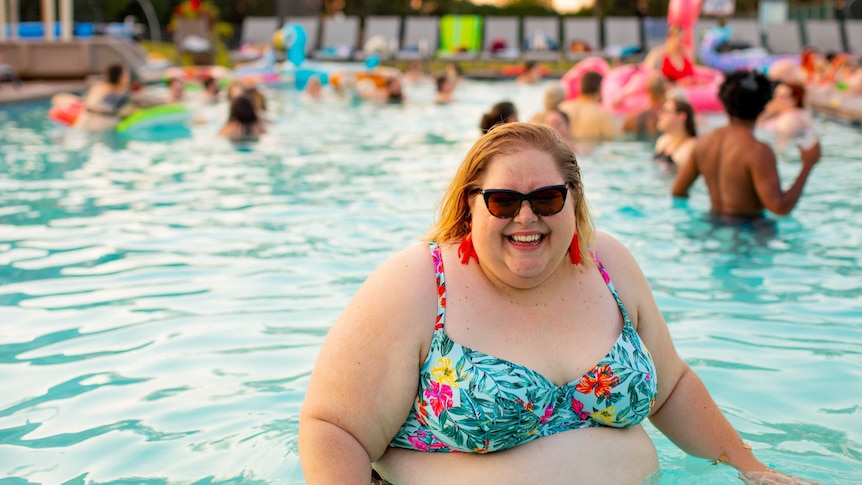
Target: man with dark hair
x=740, y=171
x=589, y=120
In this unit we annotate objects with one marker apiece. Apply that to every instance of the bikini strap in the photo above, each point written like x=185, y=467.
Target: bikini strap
x=611, y=286
x=437, y=256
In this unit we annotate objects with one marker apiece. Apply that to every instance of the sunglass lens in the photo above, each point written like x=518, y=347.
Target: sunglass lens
x=502, y=204
x=548, y=202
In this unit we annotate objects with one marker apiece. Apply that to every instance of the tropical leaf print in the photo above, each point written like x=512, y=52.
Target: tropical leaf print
x=472, y=402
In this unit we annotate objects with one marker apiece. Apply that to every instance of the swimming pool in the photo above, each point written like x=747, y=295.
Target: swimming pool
x=162, y=303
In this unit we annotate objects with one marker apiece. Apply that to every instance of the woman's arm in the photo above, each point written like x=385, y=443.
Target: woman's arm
x=687, y=171
x=366, y=375
x=684, y=411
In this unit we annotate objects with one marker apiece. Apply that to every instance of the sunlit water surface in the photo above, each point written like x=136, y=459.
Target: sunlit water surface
x=162, y=303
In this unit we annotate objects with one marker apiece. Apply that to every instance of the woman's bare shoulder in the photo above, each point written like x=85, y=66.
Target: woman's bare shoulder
x=405, y=278
x=619, y=262
x=610, y=248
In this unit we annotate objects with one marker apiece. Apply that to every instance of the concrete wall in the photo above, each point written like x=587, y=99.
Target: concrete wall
x=39, y=59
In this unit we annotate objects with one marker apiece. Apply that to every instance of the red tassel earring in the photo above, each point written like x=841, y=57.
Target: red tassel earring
x=466, y=249
x=575, y=250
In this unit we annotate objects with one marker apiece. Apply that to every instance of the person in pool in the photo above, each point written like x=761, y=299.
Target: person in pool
x=740, y=171
x=518, y=345
x=785, y=115
x=243, y=123
x=589, y=120
x=107, y=101
x=502, y=112
x=676, y=123
x=672, y=59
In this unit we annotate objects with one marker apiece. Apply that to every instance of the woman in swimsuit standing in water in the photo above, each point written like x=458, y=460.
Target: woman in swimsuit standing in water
x=676, y=123
x=518, y=337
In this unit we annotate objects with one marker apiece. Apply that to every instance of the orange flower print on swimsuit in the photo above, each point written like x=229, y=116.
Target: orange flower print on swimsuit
x=600, y=380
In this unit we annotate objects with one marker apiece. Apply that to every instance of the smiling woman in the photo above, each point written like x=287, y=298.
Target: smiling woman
x=533, y=366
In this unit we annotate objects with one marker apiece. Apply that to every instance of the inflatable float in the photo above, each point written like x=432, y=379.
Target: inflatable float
x=624, y=89
x=154, y=118
x=191, y=74
x=65, y=109
x=755, y=58
x=145, y=122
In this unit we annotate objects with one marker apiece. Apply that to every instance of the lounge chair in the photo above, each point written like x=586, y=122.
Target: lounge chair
x=420, y=38
x=622, y=36
x=825, y=34
x=784, y=37
x=541, y=38
x=502, y=39
x=854, y=35
x=746, y=31
x=585, y=32
x=382, y=36
x=7, y=72
x=460, y=37
x=339, y=38
x=311, y=26
x=257, y=33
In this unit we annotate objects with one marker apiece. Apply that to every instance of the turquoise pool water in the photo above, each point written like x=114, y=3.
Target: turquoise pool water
x=162, y=303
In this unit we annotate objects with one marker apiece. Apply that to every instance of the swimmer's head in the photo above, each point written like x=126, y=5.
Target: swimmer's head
x=744, y=94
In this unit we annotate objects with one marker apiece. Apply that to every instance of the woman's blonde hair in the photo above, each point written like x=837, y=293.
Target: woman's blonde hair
x=505, y=139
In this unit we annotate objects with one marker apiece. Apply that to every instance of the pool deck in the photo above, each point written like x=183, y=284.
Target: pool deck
x=38, y=90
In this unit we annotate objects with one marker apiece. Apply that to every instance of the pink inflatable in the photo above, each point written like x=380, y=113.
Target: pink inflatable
x=571, y=80
x=624, y=89
x=684, y=13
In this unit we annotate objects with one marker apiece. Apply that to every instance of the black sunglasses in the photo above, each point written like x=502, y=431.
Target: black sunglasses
x=506, y=204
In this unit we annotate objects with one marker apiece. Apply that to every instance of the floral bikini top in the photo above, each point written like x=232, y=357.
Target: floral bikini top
x=473, y=402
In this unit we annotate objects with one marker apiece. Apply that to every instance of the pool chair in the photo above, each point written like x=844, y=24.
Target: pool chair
x=460, y=37
x=541, y=38
x=581, y=37
x=622, y=37
x=746, y=31
x=382, y=36
x=256, y=36
x=825, y=34
x=854, y=35
x=7, y=73
x=501, y=39
x=311, y=26
x=420, y=39
x=340, y=37
x=197, y=38
x=784, y=37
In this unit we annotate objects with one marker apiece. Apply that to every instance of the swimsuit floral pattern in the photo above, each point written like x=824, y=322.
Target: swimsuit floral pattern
x=469, y=401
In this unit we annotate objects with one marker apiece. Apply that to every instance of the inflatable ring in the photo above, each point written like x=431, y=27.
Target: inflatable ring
x=337, y=79
x=702, y=93
x=756, y=59
x=163, y=115
x=195, y=73
x=65, y=109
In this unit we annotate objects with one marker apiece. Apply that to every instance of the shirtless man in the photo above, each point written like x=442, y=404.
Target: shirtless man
x=740, y=172
x=588, y=119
